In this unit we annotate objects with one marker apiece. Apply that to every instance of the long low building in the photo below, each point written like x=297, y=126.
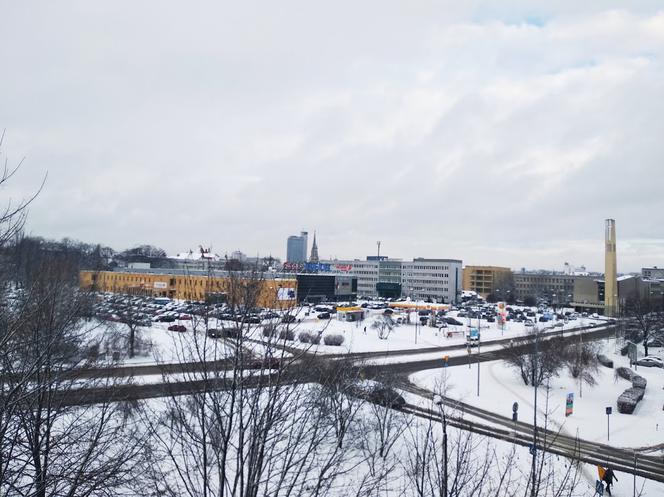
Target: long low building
x=276, y=290
x=191, y=285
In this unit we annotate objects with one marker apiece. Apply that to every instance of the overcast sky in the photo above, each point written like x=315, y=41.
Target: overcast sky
x=497, y=135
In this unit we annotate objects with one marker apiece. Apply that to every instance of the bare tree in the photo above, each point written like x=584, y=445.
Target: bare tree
x=384, y=326
x=581, y=361
x=251, y=425
x=535, y=364
x=60, y=447
x=647, y=317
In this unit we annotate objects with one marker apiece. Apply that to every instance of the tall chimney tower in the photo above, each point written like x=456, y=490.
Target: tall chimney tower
x=610, y=269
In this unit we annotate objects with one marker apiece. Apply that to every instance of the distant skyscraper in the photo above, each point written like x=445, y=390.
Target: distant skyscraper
x=296, y=248
x=610, y=269
x=314, y=251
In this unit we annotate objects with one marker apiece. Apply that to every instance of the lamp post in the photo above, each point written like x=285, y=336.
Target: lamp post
x=438, y=400
x=533, y=491
x=478, y=361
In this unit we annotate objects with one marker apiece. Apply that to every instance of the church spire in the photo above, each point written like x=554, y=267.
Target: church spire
x=314, y=251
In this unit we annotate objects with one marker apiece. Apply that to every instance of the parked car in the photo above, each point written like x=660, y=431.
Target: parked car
x=650, y=361
x=265, y=363
x=231, y=332
x=177, y=327
x=288, y=318
x=529, y=323
x=215, y=333
x=453, y=321
x=184, y=317
x=165, y=319
x=324, y=315
x=386, y=396
x=656, y=342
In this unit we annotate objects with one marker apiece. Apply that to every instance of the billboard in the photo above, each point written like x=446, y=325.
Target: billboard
x=307, y=267
x=286, y=294
x=569, y=404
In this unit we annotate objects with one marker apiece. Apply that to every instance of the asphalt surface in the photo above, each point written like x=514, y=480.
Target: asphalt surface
x=300, y=371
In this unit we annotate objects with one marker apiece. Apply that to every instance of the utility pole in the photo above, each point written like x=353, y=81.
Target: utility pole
x=479, y=339
x=533, y=491
x=439, y=400
x=378, y=266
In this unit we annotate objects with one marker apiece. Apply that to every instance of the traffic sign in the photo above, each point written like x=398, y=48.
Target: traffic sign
x=609, y=410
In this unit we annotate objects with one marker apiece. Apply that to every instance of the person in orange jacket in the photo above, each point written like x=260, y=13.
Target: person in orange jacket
x=608, y=478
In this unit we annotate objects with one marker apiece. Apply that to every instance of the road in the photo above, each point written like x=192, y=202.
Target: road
x=497, y=426
x=503, y=428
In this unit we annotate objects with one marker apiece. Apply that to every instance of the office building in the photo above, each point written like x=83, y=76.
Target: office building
x=296, y=248
x=550, y=286
x=486, y=280
x=435, y=280
x=652, y=273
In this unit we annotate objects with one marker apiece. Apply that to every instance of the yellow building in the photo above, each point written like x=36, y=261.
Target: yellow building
x=271, y=293
x=484, y=279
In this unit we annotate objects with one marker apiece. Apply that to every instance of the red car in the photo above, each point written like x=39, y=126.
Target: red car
x=185, y=317
x=177, y=327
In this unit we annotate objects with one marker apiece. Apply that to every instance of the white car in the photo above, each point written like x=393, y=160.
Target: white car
x=650, y=361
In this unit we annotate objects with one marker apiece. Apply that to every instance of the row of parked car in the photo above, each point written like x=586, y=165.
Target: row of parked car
x=147, y=310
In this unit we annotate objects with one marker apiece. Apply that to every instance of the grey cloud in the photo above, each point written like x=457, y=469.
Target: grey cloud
x=495, y=134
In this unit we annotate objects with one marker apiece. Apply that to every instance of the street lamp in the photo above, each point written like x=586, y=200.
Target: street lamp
x=479, y=336
x=533, y=451
x=438, y=400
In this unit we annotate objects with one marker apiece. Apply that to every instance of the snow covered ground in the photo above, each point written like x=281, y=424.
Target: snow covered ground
x=411, y=336
x=501, y=385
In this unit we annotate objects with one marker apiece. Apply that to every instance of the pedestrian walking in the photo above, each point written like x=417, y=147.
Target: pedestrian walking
x=365, y=330
x=608, y=478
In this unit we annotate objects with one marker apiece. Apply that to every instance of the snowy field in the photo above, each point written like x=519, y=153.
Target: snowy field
x=358, y=337
x=501, y=385
x=411, y=336
x=168, y=346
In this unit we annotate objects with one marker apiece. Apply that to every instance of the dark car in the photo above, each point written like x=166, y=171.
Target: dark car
x=265, y=363
x=452, y=321
x=386, y=396
x=252, y=319
x=324, y=315
x=215, y=333
x=230, y=332
x=166, y=319
x=288, y=318
x=177, y=327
